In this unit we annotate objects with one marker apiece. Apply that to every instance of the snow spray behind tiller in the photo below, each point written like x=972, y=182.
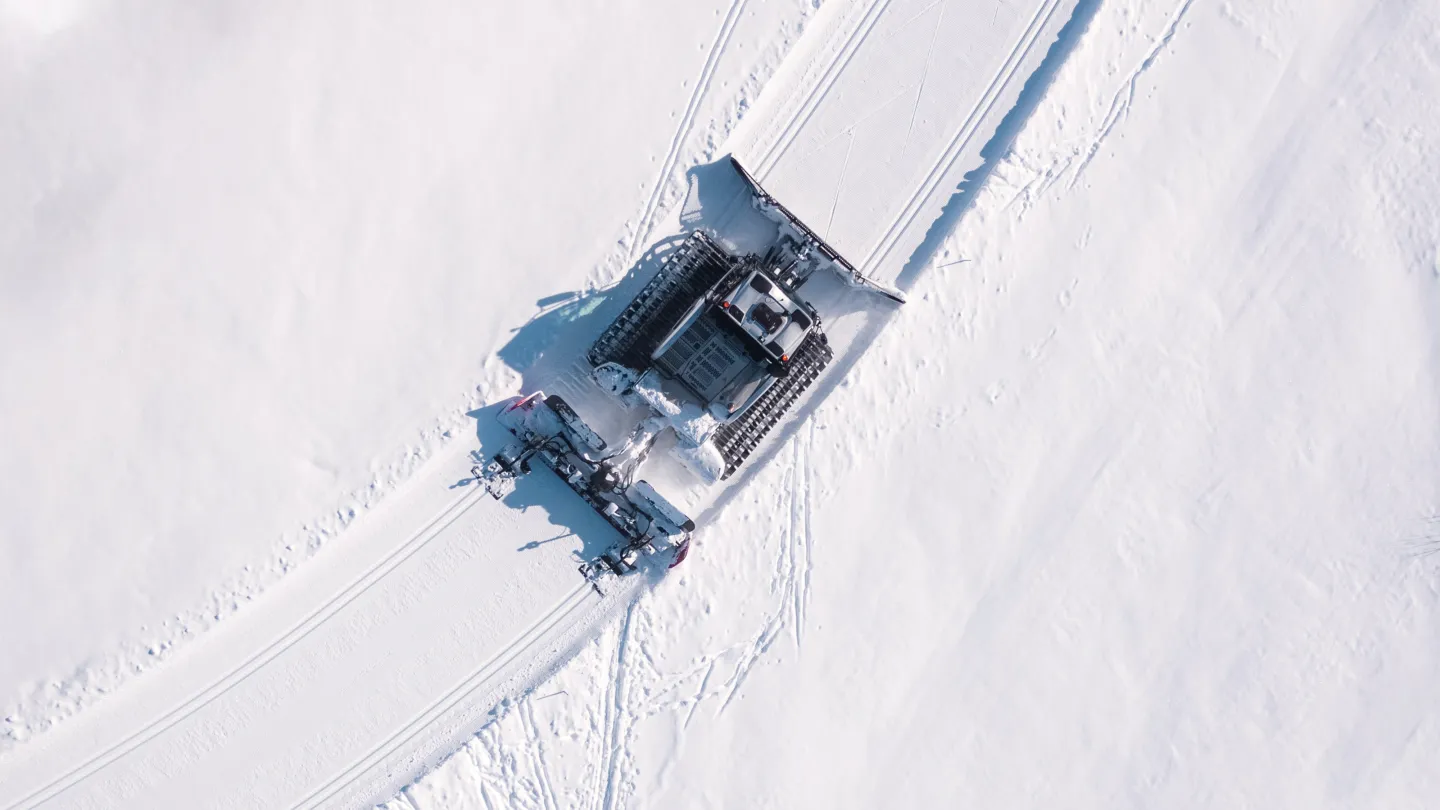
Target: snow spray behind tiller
x=718, y=346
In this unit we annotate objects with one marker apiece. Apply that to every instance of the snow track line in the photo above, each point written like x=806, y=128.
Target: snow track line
x=687, y=120
x=793, y=546
x=536, y=751
x=1125, y=96
x=962, y=137
x=235, y=677
x=811, y=101
x=616, y=712
x=477, y=679
x=805, y=495
x=924, y=75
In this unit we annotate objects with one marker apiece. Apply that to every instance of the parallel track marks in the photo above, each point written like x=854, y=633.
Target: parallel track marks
x=477, y=680
x=235, y=677
x=646, y=223
x=811, y=101
x=962, y=137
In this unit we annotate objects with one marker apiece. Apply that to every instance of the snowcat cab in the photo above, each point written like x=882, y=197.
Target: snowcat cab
x=719, y=346
x=726, y=352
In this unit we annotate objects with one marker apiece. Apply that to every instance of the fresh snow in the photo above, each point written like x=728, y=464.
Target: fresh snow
x=258, y=263
x=1133, y=504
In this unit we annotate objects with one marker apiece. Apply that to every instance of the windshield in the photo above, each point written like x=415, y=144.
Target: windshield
x=767, y=318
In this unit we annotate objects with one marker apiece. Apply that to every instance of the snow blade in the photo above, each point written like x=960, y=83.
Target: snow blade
x=842, y=265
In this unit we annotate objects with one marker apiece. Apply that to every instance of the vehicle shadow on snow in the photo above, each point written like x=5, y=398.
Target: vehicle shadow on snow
x=571, y=515
x=567, y=323
x=997, y=148
x=549, y=345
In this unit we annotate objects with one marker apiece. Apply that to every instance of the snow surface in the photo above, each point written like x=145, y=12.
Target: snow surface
x=259, y=262
x=1149, y=516
x=1133, y=504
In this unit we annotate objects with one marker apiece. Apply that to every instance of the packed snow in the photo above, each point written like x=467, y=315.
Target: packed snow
x=1138, y=513
x=259, y=262
x=1133, y=504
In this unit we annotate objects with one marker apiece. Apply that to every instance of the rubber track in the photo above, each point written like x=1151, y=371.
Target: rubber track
x=738, y=439
x=696, y=267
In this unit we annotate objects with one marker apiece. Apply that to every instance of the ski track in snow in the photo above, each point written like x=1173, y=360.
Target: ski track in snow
x=536, y=750
x=646, y=223
x=480, y=679
x=805, y=108
x=792, y=566
x=794, y=556
x=357, y=588
x=615, y=727
x=807, y=534
x=925, y=74
x=961, y=140
x=1124, y=97
x=56, y=700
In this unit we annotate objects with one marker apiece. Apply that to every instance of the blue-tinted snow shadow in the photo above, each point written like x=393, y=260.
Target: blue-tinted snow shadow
x=567, y=323
x=557, y=335
x=998, y=147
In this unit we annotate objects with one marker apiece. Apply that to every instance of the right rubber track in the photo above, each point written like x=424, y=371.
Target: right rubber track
x=738, y=439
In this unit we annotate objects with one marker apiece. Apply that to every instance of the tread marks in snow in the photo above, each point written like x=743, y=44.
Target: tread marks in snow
x=616, y=731
x=962, y=137
x=535, y=747
x=646, y=223
x=811, y=100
